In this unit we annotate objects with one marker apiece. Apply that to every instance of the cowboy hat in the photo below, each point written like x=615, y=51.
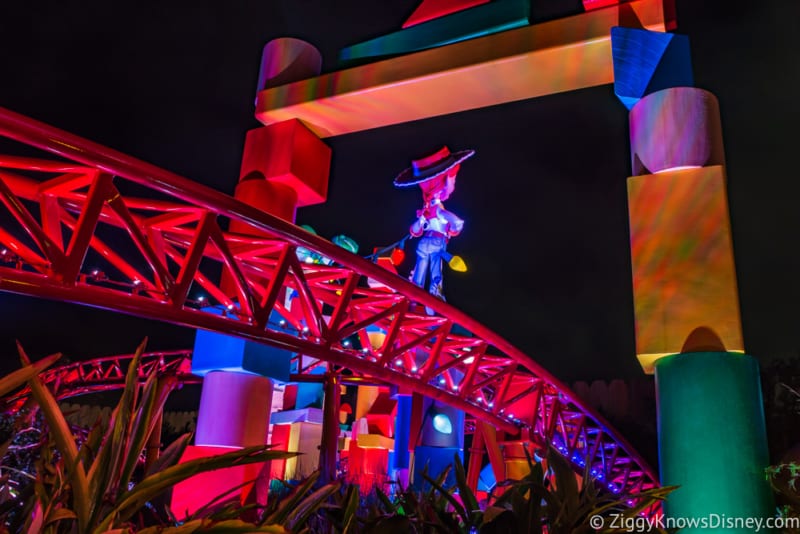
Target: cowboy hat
x=430, y=167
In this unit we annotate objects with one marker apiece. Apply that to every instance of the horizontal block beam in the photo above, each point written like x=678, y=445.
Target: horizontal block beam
x=552, y=57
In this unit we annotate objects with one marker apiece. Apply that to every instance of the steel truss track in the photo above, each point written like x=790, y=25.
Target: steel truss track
x=90, y=225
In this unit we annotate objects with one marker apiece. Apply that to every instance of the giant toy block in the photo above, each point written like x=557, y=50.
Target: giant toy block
x=684, y=276
x=454, y=78
x=646, y=62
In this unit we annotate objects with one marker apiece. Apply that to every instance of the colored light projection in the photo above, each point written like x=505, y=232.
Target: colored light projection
x=551, y=57
x=682, y=255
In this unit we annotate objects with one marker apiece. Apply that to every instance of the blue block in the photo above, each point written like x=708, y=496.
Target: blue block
x=399, y=459
x=486, y=479
x=486, y=19
x=306, y=415
x=309, y=394
x=219, y=352
x=647, y=61
x=437, y=459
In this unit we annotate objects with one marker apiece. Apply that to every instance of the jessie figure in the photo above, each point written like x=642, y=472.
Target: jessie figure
x=436, y=176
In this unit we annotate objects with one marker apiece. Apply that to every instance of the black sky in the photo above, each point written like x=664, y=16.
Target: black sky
x=546, y=239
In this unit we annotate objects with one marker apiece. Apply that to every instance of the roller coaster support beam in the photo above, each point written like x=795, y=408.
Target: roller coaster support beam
x=330, y=428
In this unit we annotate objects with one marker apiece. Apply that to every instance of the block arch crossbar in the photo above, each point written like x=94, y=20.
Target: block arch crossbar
x=89, y=225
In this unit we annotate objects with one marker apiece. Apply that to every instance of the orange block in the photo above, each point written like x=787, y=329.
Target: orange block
x=684, y=276
x=552, y=57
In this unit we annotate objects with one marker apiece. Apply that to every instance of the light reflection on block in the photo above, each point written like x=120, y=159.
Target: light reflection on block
x=551, y=57
x=682, y=257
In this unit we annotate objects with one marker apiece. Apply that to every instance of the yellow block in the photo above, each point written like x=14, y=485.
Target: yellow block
x=684, y=278
x=552, y=57
x=304, y=438
x=365, y=399
x=375, y=441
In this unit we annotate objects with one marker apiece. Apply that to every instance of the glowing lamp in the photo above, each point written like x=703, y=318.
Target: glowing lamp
x=397, y=256
x=346, y=243
x=457, y=264
x=441, y=423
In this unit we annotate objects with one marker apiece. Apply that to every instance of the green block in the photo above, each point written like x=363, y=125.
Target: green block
x=477, y=21
x=712, y=440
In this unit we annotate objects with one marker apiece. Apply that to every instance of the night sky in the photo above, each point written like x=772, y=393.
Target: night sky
x=546, y=237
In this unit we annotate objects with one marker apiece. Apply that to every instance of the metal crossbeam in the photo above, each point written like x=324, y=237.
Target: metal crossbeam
x=71, y=232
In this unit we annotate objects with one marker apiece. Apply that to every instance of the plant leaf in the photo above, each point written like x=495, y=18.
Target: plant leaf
x=16, y=379
x=152, y=486
x=467, y=497
x=449, y=496
x=305, y=508
x=60, y=514
x=285, y=507
x=154, y=397
x=171, y=455
x=64, y=440
x=104, y=474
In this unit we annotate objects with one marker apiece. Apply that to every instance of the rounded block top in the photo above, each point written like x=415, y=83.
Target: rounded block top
x=287, y=60
x=675, y=128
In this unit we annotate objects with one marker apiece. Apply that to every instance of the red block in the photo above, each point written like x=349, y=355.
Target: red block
x=367, y=467
x=197, y=491
x=289, y=397
x=280, y=442
x=433, y=9
x=288, y=153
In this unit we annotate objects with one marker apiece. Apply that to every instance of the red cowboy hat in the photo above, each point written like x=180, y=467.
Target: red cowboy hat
x=430, y=167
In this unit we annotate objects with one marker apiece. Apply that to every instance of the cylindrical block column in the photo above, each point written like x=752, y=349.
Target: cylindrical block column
x=234, y=410
x=675, y=128
x=711, y=436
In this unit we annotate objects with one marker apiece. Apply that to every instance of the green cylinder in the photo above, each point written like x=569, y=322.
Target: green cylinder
x=712, y=441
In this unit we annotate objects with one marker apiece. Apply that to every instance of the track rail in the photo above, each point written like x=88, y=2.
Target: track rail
x=89, y=225
x=103, y=374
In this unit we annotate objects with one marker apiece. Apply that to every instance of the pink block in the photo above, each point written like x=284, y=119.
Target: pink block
x=234, y=410
x=288, y=60
x=675, y=128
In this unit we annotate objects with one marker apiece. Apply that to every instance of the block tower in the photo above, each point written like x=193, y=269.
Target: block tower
x=284, y=166
x=688, y=331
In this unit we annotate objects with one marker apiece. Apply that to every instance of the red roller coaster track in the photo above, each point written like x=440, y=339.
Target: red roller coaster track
x=99, y=228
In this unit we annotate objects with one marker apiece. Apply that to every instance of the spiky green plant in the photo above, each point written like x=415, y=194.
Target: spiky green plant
x=558, y=502
x=95, y=488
